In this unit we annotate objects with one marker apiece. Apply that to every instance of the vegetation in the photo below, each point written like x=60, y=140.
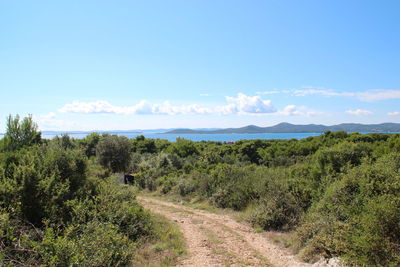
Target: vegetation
x=20, y=133
x=58, y=209
x=113, y=152
x=338, y=193
x=285, y=127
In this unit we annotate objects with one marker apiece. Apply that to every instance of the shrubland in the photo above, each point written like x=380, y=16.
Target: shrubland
x=60, y=208
x=338, y=194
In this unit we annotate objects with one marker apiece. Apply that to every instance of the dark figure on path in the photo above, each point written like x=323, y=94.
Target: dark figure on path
x=129, y=179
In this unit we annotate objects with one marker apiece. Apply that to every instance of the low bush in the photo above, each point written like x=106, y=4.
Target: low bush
x=358, y=216
x=52, y=214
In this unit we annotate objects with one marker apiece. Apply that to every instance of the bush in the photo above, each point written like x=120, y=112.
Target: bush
x=93, y=244
x=166, y=183
x=358, y=216
x=183, y=148
x=104, y=231
x=52, y=214
x=186, y=185
x=277, y=213
x=114, y=153
x=20, y=134
x=114, y=203
x=230, y=186
x=345, y=154
x=276, y=208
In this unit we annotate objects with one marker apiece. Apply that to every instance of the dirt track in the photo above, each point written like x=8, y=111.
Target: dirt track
x=218, y=240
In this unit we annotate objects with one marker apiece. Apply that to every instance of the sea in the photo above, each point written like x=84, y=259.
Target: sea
x=195, y=137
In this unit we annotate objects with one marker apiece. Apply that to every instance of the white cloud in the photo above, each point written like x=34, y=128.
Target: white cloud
x=167, y=108
x=143, y=108
x=250, y=104
x=50, y=122
x=241, y=104
x=323, y=92
x=358, y=112
x=394, y=113
x=90, y=107
x=195, y=109
x=378, y=94
x=227, y=109
x=366, y=96
x=271, y=92
x=293, y=110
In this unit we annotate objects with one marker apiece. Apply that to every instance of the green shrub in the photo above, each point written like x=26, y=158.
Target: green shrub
x=230, y=186
x=186, y=185
x=183, y=148
x=116, y=204
x=17, y=240
x=358, y=216
x=166, y=183
x=52, y=214
x=113, y=152
x=276, y=207
x=93, y=244
x=345, y=154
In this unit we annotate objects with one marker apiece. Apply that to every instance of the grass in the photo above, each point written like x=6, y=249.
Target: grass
x=214, y=242
x=164, y=248
x=229, y=257
x=285, y=241
x=195, y=202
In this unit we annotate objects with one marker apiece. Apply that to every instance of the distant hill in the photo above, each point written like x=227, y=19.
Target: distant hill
x=285, y=127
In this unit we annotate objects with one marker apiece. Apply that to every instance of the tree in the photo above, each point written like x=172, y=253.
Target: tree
x=142, y=145
x=65, y=141
x=113, y=153
x=89, y=144
x=183, y=148
x=21, y=133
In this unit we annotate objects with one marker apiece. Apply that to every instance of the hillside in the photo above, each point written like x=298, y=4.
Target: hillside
x=285, y=127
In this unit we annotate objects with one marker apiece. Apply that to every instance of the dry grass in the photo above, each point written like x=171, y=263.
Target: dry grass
x=164, y=248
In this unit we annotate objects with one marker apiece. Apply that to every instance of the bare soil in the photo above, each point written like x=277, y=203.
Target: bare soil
x=218, y=240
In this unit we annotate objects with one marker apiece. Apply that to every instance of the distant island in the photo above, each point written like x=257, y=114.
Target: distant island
x=293, y=128
x=283, y=127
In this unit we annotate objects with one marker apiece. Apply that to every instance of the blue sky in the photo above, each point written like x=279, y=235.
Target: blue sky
x=85, y=65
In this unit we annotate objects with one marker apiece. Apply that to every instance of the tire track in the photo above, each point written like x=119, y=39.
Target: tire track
x=218, y=240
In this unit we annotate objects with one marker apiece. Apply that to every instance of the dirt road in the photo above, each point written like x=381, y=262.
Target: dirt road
x=218, y=240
